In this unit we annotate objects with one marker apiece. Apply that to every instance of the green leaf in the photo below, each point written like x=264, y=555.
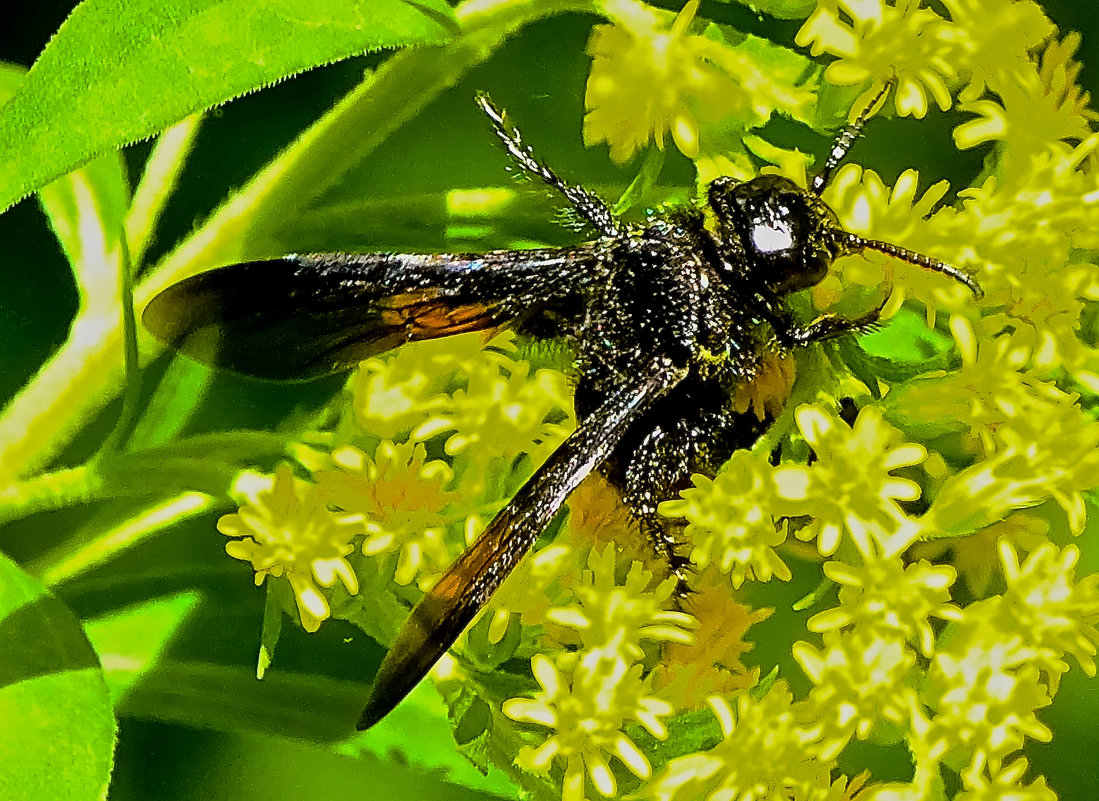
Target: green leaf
x=121, y=70
x=230, y=698
x=782, y=9
x=129, y=641
x=11, y=75
x=57, y=739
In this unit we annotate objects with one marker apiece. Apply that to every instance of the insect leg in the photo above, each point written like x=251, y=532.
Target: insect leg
x=659, y=468
x=587, y=205
x=448, y=607
x=789, y=334
x=829, y=326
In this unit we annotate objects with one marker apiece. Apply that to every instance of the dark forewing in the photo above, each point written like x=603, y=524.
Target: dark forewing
x=466, y=587
x=304, y=316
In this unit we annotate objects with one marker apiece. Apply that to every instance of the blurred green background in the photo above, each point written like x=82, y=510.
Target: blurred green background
x=539, y=78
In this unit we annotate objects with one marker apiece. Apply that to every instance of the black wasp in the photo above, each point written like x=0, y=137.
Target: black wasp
x=665, y=319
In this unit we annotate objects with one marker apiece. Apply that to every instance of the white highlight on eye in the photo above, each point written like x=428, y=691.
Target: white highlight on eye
x=772, y=236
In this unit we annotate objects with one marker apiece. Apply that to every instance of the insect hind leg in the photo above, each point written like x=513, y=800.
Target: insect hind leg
x=587, y=205
x=658, y=469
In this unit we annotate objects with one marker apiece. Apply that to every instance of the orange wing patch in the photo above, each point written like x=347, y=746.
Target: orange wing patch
x=428, y=314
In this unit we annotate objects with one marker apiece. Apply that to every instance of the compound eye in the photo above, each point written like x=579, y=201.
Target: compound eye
x=772, y=236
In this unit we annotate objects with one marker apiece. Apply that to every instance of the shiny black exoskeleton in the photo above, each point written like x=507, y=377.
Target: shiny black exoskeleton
x=666, y=321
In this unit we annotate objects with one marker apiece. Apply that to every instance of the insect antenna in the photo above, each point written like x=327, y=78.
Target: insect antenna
x=854, y=242
x=847, y=137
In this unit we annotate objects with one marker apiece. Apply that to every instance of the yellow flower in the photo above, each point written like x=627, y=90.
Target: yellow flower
x=587, y=711
x=286, y=529
x=730, y=520
x=873, y=39
x=400, y=495
x=986, y=693
x=764, y=755
x=648, y=78
x=861, y=677
x=1045, y=601
x=620, y=614
x=850, y=487
x=640, y=72
x=886, y=596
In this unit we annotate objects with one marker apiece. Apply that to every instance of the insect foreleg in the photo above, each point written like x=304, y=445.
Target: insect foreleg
x=789, y=334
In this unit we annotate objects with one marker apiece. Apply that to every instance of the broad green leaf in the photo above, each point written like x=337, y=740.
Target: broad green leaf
x=58, y=732
x=121, y=70
x=11, y=75
x=130, y=641
x=231, y=698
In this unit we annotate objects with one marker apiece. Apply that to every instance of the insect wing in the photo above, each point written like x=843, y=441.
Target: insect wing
x=448, y=607
x=304, y=316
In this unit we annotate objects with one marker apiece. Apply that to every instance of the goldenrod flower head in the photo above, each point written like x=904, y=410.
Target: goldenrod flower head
x=393, y=394
x=873, y=39
x=850, y=487
x=649, y=77
x=986, y=693
x=587, y=709
x=400, y=495
x=898, y=214
x=764, y=755
x=994, y=40
x=527, y=591
x=985, y=394
x=860, y=677
x=984, y=782
x=976, y=557
x=1062, y=451
x=503, y=410
x=642, y=73
x=729, y=520
x=1044, y=600
x=286, y=529
x=610, y=613
x=883, y=595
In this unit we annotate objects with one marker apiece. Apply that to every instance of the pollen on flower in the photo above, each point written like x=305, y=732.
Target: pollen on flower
x=401, y=497
x=586, y=709
x=712, y=665
x=766, y=394
x=287, y=530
